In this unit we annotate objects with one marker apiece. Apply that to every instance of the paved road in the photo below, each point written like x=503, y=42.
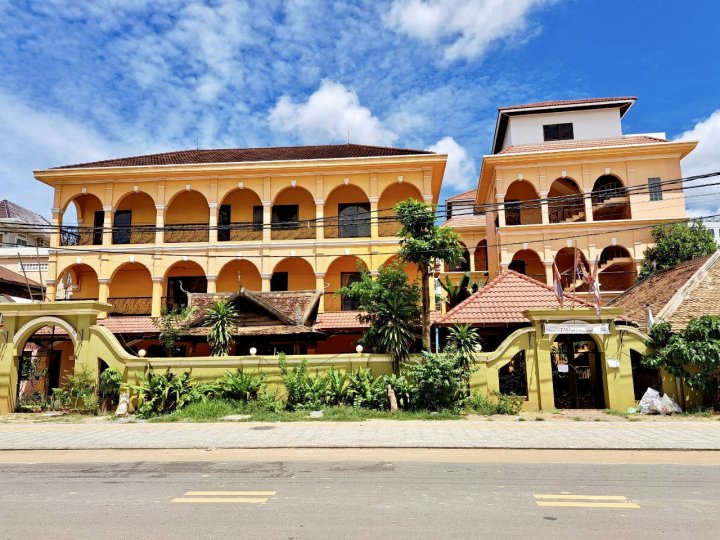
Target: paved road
x=676, y=435
x=358, y=499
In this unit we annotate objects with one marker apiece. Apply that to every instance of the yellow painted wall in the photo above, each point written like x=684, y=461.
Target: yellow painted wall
x=131, y=279
x=347, y=263
x=301, y=276
x=228, y=280
x=85, y=207
x=142, y=206
x=187, y=207
x=242, y=202
x=299, y=196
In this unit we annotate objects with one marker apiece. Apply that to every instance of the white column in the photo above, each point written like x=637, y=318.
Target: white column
x=588, y=205
x=267, y=220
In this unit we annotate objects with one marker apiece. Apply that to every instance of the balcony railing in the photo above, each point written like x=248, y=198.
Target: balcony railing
x=135, y=234
x=388, y=226
x=130, y=305
x=240, y=232
x=80, y=236
x=347, y=227
x=294, y=230
x=186, y=232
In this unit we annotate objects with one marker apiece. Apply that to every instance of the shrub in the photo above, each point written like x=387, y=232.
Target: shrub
x=109, y=387
x=366, y=390
x=239, y=386
x=403, y=388
x=437, y=380
x=506, y=404
x=77, y=392
x=336, y=392
x=162, y=393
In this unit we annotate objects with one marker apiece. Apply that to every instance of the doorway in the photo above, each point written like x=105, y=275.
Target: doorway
x=578, y=378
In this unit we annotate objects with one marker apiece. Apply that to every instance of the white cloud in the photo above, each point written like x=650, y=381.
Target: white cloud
x=460, y=173
x=704, y=159
x=329, y=115
x=464, y=28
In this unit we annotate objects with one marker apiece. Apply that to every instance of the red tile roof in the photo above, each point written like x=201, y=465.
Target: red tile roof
x=458, y=222
x=504, y=300
x=339, y=320
x=240, y=155
x=10, y=210
x=129, y=325
x=566, y=102
x=581, y=144
x=9, y=276
x=465, y=196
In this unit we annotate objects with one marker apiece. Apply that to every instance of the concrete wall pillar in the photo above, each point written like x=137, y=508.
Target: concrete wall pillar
x=211, y=284
x=543, y=370
x=267, y=221
x=107, y=226
x=266, y=282
x=159, y=223
x=212, y=224
x=588, y=204
x=320, y=286
x=319, y=215
x=501, y=210
x=374, y=218
x=157, y=290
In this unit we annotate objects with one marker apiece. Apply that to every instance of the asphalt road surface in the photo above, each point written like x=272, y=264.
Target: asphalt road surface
x=382, y=498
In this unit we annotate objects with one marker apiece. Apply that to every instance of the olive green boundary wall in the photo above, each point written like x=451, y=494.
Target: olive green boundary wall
x=92, y=343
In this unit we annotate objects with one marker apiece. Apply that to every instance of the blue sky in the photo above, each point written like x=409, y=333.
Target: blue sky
x=87, y=80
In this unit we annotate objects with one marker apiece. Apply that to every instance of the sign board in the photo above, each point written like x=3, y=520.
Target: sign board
x=577, y=328
x=613, y=362
x=563, y=368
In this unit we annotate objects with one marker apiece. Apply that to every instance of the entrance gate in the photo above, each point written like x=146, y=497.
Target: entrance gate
x=577, y=373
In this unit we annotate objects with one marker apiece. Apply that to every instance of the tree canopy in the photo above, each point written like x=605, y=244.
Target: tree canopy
x=676, y=243
x=423, y=242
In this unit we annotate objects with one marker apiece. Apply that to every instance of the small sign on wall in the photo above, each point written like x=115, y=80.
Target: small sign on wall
x=563, y=368
x=577, y=328
x=613, y=363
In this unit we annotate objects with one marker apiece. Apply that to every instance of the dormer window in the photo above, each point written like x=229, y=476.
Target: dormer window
x=558, y=132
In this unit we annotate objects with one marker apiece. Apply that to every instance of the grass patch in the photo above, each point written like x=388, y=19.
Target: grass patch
x=614, y=412
x=577, y=419
x=214, y=410
x=539, y=418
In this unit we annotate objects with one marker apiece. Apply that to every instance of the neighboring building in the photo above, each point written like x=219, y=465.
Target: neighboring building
x=714, y=225
x=24, y=237
x=566, y=178
x=14, y=286
x=153, y=228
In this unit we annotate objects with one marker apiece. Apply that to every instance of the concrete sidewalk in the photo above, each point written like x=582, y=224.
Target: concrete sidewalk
x=679, y=435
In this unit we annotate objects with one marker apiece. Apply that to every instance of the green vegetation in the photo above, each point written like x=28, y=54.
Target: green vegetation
x=455, y=294
x=239, y=386
x=391, y=306
x=222, y=318
x=162, y=393
x=482, y=404
x=693, y=354
x=674, y=244
x=171, y=323
x=423, y=242
x=77, y=393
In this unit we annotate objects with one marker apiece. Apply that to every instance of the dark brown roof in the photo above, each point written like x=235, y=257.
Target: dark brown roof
x=566, y=102
x=504, y=301
x=660, y=290
x=581, y=144
x=9, y=276
x=241, y=155
x=12, y=211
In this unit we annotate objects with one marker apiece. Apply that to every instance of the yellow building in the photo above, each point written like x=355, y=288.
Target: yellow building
x=563, y=177
x=151, y=228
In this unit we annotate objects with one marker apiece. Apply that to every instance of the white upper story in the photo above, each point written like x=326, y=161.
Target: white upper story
x=549, y=121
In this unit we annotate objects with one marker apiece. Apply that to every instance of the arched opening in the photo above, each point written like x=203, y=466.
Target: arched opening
x=565, y=202
x=463, y=265
x=134, y=219
x=573, y=268
x=643, y=377
x=513, y=376
x=240, y=216
x=411, y=269
x=82, y=221
x=293, y=215
x=130, y=290
x=237, y=274
x=527, y=262
x=577, y=368
x=77, y=282
x=181, y=278
x=388, y=224
x=293, y=274
x=187, y=218
x=617, y=269
x=522, y=204
x=610, y=199
x=45, y=358
x=481, y=257
x=347, y=213
x=342, y=272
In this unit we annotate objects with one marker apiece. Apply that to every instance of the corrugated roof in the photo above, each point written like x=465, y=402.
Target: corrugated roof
x=660, y=290
x=581, y=144
x=566, y=102
x=11, y=211
x=504, y=300
x=240, y=155
x=465, y=196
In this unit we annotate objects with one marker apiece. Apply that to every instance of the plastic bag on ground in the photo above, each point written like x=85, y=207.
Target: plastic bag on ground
x=669, y=406
x=647, y=402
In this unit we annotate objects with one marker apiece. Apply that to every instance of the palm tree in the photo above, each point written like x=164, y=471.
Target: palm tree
x=397, y=330
x=463, y=343
x=222, y=318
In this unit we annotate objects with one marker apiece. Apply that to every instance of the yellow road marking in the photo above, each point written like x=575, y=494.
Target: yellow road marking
x=588, y=504
x=245, y=493
x=212, y=500
x=583, y=497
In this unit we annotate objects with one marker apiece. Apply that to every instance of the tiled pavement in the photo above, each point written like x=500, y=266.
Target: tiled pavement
x=685, y=435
